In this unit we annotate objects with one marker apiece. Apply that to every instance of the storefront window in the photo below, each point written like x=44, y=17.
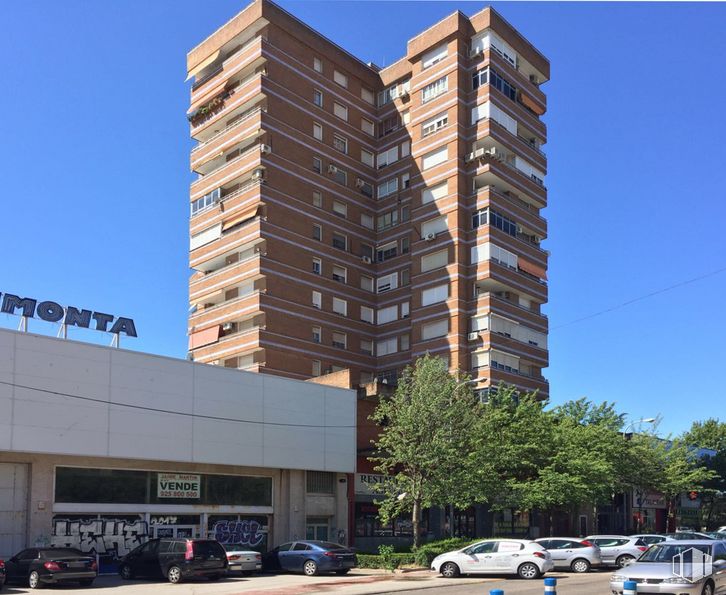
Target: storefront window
x=368, y=524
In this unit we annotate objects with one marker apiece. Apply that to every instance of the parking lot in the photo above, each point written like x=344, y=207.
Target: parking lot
x=358, y=582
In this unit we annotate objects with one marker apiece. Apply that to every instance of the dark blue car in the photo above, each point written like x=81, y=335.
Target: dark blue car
x=310, y=557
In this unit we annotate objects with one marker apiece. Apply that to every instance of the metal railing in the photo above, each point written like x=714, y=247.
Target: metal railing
x=241, y=118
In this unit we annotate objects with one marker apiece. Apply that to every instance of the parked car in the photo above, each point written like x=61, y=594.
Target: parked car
x=618, y=550
x=175, y=559
x=2, y=573
x=651, y=538
x=717, y=534
x=689, y=535
x=572, y=553
x=311, y=557
x=36, y=567
x=527, y=559
x=246, y=561
x=654, y=570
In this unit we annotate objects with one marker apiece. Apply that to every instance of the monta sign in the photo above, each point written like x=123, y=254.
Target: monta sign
x=70, y=316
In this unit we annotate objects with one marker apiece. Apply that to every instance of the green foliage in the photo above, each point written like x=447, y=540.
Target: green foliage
x=386, y=554
x=424, y=554
x=395, y=560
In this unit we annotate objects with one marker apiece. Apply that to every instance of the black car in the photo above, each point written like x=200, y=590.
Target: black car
x=2, y=573
x=44, y=566
x=175, y=559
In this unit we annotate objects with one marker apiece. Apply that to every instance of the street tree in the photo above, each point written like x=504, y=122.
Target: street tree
x=711, y=434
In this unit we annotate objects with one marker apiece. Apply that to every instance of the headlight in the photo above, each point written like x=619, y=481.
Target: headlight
x=619, y=578
x=674, y=580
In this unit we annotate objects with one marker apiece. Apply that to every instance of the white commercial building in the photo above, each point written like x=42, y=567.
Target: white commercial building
x=103, y=448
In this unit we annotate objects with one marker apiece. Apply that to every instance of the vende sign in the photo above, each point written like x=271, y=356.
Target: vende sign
x=178, y=485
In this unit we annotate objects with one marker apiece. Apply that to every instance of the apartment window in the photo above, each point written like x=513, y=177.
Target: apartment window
x=387, y=157
x=433, y=330
x=340, y=78
x=317, y=334
x=405, y=309
x=366, y=251
x=389, y=124
x=405, y=245
x=490, y=217
x=340, y=241
x=405, y=181
x=387, y=220
x=317, y=266
x=386, y=252
x=317, y=299
x=366, y=157
x=366, y=346
x=365, y=187
x=340, y=143
x=489, y=251
x=317, y=232
x=366, y=220
x=433, y=227
x=387, y=95
x=366, y=314
x=405, y=148
x=405, y=277
x=434, y=261
x=318, y=64
x=434, y=124
x=204, y=237
x=366, y=283
x=340, y=340
x=432, y=57
x=340, y=208
x=339, y=175
x=340, y=110
x=367, y=126
x=318, y=97
x=435, y=157
x=435, y=89
x=496, y=80
x=405, y=342
x=367, y=96
x=386, y=283
x=317, y=367
x=434, y=295
x=340, y=306
x=387, y=346
x=206, y=201
x=317, y=131
x=386, y=315
x=435, y=192
x=387, y=187
x=340, y=274
x=317, y=199
x=317, y=165
x=405, y=213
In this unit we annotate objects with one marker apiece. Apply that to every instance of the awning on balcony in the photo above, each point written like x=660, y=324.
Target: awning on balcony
x=532, y=269
x=530, y=103
x=249, y=214
x=202, y=65
x=205, y=337
x=205, y=298
x=206, y=96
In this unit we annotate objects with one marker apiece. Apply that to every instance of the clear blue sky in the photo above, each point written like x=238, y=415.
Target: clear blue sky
x=95, y=150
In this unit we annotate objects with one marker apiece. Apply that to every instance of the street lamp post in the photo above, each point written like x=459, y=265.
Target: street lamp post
x=632, y=424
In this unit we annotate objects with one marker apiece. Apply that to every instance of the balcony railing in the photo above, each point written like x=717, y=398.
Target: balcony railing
x=240, y=119
x=491, y=295
x=222, y=65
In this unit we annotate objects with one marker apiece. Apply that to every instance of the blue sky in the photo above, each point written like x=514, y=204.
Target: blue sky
x=95, y=149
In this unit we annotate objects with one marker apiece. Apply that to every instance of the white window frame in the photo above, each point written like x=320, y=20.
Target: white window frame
x=367, y=158
x=367, y=221
x=340, y=111
x=436, y=157
x=317, y=300
x=367, y=126
x=367, y=283
x=386, y=346
x=387, y=283
x=435, y=192
x=435, y=330
x=317, y=331
x=319, y=267
x=317, y=131
x=317, y=198
x=434, y=258
x=340, y=208
x=340, y=139
x=340, y=306
x=387, y=188
x=387, y=157
x=435, y=295
x=435, y=124
x=433, y=90
x=318, y=93
x=367, y=95
x=367, y=314
x=317, y=64
x=342, y=272
x=340, y=78
x=434, y=56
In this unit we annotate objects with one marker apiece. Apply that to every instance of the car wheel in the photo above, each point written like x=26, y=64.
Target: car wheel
x=707, y=589
x=34, y=580
x=580, y=565
x=344, y=571
x=126, y=573
x=310, y=568
x=174, y=574
x=624, y=560
x=528, y=571
x=86, y=582
x=449, y=570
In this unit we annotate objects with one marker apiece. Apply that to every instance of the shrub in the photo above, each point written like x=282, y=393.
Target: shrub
x=428, y=551
x=377, y=561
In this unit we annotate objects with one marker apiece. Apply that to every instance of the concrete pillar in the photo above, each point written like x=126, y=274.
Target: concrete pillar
x=40, y=510
x=296, y=505
x=339, y=528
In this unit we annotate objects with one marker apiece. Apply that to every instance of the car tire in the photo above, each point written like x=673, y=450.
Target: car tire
x=623, y=560
x=34, y=580
x=580, y=565
x=342, y=572
x=528, y=571
x=174, y=574
x=86, y=582
x=449, y=570
x=125, y=572
x=707, y=589
x=310, y=568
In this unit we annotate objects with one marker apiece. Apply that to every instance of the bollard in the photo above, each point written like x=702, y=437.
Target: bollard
x=496, y=592
x=630, y=588
x=550, y=586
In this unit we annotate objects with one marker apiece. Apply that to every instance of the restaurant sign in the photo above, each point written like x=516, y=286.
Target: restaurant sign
x=365, y=483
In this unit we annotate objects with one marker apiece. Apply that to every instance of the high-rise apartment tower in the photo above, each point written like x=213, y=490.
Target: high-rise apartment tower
x=351, y=216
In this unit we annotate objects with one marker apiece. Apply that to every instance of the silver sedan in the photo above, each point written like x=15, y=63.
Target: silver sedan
x=572, y=553
x=618, y=550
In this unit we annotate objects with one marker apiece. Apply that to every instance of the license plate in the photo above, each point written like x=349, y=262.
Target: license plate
x=77, y=565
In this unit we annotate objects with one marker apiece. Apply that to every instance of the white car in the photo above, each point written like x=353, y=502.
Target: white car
x=246, y=561
x=618, y=550
x=522, y=557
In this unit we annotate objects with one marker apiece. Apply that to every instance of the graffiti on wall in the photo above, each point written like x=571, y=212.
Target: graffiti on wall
x=246, y=532
x=105, y=536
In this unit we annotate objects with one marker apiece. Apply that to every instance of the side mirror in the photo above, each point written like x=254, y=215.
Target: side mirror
x=719, y=564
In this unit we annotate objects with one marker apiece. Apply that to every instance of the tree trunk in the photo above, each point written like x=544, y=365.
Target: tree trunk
x=415, y=522
x=552, y=522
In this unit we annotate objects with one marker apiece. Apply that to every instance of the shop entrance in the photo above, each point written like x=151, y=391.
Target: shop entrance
x=176, y=531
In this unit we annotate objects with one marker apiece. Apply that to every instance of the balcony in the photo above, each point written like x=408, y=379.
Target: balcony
x=506, y=302
x=243, y=146
x=514, y=279
x=235, y=60
x=240, y=344
x=223, y=242
x=229, y=171
x=520, y=209
x=508, y=180
x=489, y=129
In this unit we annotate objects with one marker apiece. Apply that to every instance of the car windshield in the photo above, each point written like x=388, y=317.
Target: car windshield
x=61, y=553
x=207, y=548
x=665, y=552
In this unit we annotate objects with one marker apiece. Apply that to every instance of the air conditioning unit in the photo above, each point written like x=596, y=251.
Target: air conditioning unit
x=258, y=174
x=359, y=183
x=265, y=149
x=479, y=153
x=332, y=169
x=473, y=336
x=495, y=153
x=404, y=94
x=227, y=326
x=476, y=52
x=366, y=259
x=430, y=237
x=533, y=79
